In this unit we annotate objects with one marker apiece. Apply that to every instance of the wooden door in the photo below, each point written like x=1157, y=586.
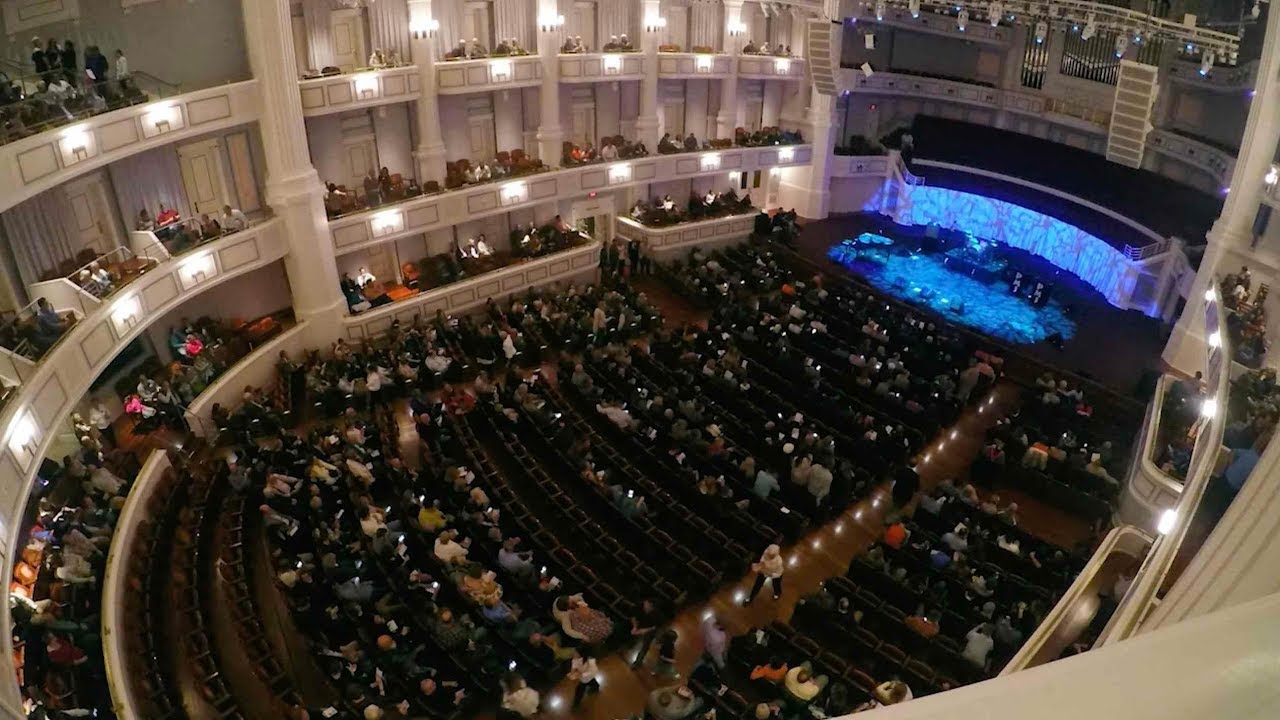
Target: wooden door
x=583, y=22
x=584, y=125
x=482, y=134
x=477, y=24
x=359, y=157
x=346, y=33
x=91, y=213
x=203, y=177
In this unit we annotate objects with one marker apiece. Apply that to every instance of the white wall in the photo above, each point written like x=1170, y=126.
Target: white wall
x=453, y=126
x=249, y=296
x=1219, y=117
x=197, y=43
x=392, y=135
x=324, y=137
x=849, y=195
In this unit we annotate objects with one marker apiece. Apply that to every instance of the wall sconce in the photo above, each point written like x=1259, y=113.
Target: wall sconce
x=1215, y=339
x=1272, y=176
x=126, y=312
x=1167, y=520
x=22, y=439
x=1209, y=408
x=422, y=28
x=515, y=192
x=782, y=66
x=499, y=70
x=620, y=173
x=161, y=118
x=786, y=154
x=551, y=23
x=702, y=63
x=655, y=24
x=711, y=161
x=196, y=270
x=612, y=64
x=77, y=142
x=737, y=29
x=366, y=85
x=387, y=222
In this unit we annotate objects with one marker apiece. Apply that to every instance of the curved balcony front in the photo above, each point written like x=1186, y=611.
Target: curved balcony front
x=32, y=165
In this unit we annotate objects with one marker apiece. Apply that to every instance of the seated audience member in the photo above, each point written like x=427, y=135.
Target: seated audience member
x=232, y=219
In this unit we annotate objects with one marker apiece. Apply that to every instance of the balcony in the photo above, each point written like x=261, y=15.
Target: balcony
x=767, y=67
x=696, y=66
x=669, y=238
x=35, y=164
x=1219, y=79
x=601, y=67
x=339, y=93
x=458, y=77
x=51, y=387
x=1218, y=163
x=462, y=296
x=428, y=212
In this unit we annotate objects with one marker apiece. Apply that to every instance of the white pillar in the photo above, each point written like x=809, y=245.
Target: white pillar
x=726, y=119
x=294, y=190
x=429, y=154
x=1231, y=237
x=651, y=38
x=810, y=191
x=550, y=37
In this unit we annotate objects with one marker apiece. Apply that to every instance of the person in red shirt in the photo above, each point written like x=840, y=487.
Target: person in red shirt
x=62, y=652
x=896, y=535
x=166, y=216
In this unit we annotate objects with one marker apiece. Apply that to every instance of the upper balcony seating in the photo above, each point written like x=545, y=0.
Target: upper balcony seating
x=1165, y=206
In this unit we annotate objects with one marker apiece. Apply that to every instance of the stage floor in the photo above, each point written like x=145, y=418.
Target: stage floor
x=1110, y=345
x=928, y=279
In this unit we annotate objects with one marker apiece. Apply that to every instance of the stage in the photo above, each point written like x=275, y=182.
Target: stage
x=967, y=279
x=1111, y=345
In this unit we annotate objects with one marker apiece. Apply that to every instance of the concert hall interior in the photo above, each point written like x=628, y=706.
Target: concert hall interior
x=643, y=359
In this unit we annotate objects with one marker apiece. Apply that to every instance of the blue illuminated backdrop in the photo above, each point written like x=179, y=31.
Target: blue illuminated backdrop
x=1066, y=246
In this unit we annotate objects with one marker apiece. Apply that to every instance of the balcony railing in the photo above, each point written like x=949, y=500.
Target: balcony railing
x=366, y=88
x=427, y=212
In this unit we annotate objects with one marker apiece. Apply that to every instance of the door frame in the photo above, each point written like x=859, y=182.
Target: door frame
x=214, y=149
x=362, y=51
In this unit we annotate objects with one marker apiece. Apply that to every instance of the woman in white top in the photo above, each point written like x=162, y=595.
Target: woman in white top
x=518, y=697
x=583, y=669
x=770, y=567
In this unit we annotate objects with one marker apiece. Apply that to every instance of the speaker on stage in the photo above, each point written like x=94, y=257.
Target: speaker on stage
x=1040, y=293
x=1015, y=284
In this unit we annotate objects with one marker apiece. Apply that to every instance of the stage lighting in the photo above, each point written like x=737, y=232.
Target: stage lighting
x=1090, y=28
x=994, y=11
x=962, y=20
x=1122, y=44
x=914, y=8
x=1206, y=62
x=1042, y=29
x=881, y=6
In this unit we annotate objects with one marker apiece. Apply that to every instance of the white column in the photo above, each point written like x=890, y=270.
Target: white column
x=294, y=190
x=809, y=189
x=1231, y=237
x=550, y=37
x=429, y=154
x=726, y=119
x=651, y=38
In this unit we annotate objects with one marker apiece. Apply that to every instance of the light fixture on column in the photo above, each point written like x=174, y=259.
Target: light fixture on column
x=737, y=29
x=1042, y=31
x=1122, y=43
x=962, y=19
x=1090, y=28
x=423, y=27
x=914, y=8
x=550, y=23
x=655, y=24
x=994, y=12
x=881, y=6
x=22, y=438
x=1273, y=175
x=1206, y=62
